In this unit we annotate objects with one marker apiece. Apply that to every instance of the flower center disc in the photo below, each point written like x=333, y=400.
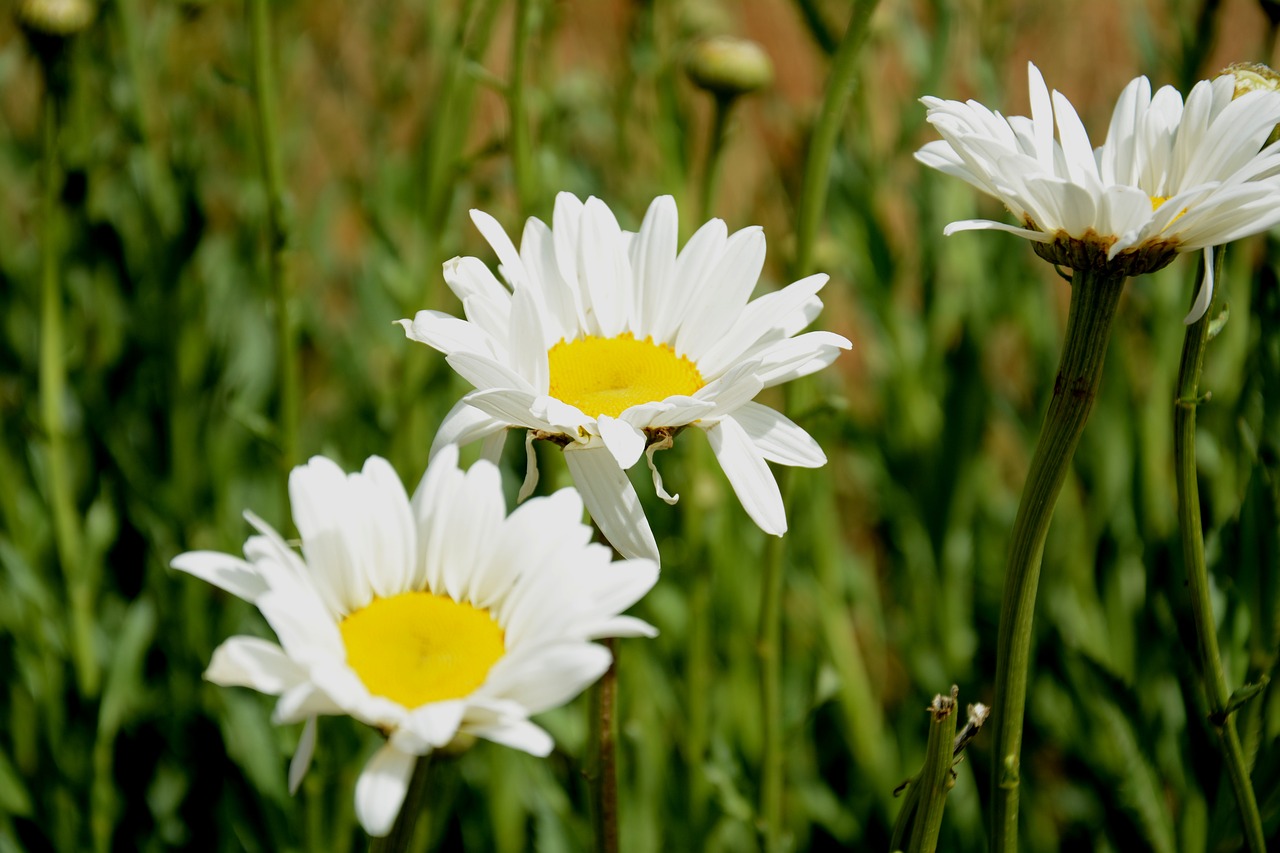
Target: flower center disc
x=416, y=647
x=607, y=376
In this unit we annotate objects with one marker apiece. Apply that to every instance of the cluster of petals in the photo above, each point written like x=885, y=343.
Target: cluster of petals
x=535, y=573
x=1170, y=175
x=585, y=276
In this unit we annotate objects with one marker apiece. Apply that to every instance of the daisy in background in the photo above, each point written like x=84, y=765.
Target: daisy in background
x=426, y=619
x=609, y=343
x=1169, y=178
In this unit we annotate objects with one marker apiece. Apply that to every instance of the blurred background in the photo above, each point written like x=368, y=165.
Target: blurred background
x=393, y=121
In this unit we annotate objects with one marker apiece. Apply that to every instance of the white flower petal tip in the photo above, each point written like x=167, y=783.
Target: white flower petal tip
x=609, y=340
x=1170, y=177
x=523, y=595
x=381, y=788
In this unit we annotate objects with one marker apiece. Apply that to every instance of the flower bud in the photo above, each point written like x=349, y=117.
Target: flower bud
x=728, y=67
x=55, y=18
x=1255, y=77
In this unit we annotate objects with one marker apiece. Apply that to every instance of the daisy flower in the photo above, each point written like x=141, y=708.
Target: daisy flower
x=1171, y=177
x=427, y=618
x=609, y=343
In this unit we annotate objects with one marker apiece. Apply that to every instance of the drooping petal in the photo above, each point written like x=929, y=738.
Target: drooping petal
x=611, y=500
x=381, y=788
x=749, y=475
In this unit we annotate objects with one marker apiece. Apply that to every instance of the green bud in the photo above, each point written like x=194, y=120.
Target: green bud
x=55, y=18
x=728, y=67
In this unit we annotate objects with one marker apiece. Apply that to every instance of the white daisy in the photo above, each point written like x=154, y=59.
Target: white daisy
x=610, y=342
x=1170, y=178
x=425, y=619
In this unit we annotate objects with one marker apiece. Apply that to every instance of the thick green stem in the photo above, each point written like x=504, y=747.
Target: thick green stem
x=415, y=808
x=265, y=112
x=813, y=195
x=1215, y=683
x=602, y=762
x=53, y=389
x=1094, y=296
x=934, y=781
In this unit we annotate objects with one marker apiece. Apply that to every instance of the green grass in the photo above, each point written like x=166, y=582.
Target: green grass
x=393, y=123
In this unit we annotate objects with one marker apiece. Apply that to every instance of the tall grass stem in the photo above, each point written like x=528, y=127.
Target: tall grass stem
x=1189, y=520
x=266, y=112
x=53, y=390
x=521, y=153
x=813, y=194
x=715, y=154
x=1094, y=297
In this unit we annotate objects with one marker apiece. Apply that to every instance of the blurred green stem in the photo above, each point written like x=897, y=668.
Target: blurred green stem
x=521, y=155
x=266, y=110
x=415, y=809
x=602, y=762
x=1094, y=297
x=715, y=154
x=813, y=194
x=1189, y=520
x=769, y=649
x=53, y=391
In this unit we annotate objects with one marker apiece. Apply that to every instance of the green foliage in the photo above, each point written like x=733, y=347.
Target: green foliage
x=393, y=124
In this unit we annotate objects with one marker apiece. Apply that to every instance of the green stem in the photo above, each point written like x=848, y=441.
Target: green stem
x=1189, y=519
x=265, y=112
x=415, y=808
x=521, y=155
x=1094, y=296
x=934, y=780
x=813, y=194
x=715, y=154
x=53, y=390
x=602, y=762
x=768, y=648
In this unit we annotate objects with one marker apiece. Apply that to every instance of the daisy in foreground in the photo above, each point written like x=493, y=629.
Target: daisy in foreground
x=609, y=343
x=427, y=618
x=1170, y=177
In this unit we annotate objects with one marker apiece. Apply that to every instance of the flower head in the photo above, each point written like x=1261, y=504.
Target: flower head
x=1170, y=177
x=609, y=343
x=428, y=619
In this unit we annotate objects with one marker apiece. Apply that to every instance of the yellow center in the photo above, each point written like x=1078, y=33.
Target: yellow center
x=606, y=376
x=1157, y=200
x=416, y=647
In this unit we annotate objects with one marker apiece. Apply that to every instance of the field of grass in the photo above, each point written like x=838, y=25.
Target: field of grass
x=393, y=120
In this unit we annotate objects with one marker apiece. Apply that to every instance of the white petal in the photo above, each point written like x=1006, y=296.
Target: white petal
x=485, y=373
x=989, y=225
x=1205, y=296
x=251, y=662
x=693, y=264
x=301, y=761
x=463, y=425
x=624, y=441
x=670, y=499
x=518, y=734
x=653, y=262
x=749, y=475
x=777, y=438
x=224, y=571
x=530, y=469
x=715, y=307
x=381, y=788
x=611, y=500
x=497, y=237
x=604, y=268
x=529, y=351
x=446, y=333
x=429, y=727
x=552, y=677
